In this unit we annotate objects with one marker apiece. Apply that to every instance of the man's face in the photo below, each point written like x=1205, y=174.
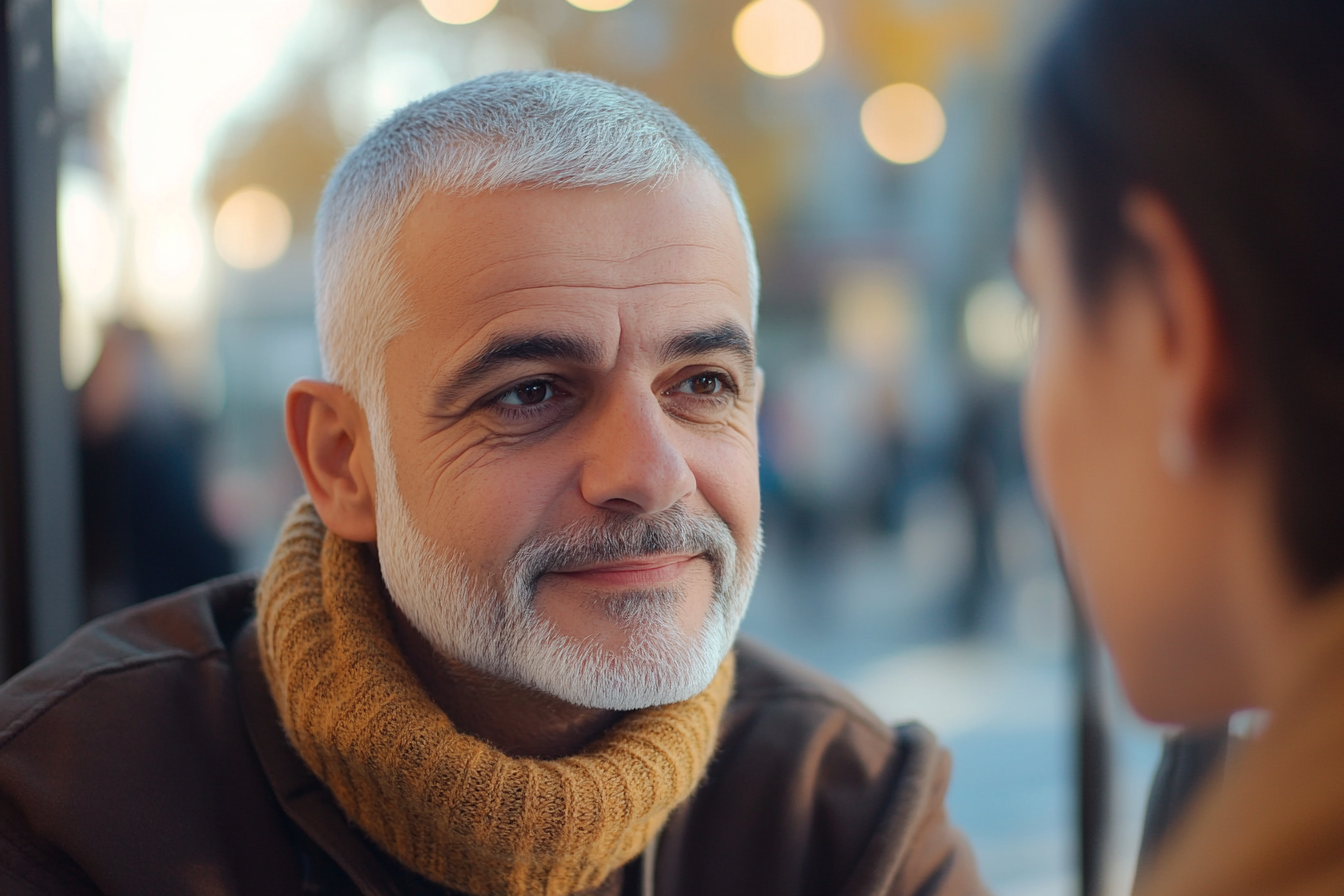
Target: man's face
x=573, y=421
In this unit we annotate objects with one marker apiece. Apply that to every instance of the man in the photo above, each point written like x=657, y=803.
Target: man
x=493, y=652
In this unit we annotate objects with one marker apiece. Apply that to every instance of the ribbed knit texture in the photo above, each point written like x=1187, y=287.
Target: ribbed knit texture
x=449, y=806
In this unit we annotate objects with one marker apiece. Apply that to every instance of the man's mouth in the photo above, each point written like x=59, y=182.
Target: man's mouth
x=647, y=571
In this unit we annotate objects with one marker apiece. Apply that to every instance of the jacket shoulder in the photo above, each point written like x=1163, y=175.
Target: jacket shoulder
x=125, y=760
x=809, y=792
x=191, y=625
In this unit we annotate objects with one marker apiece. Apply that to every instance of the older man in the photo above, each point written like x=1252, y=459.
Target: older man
x=493, y=652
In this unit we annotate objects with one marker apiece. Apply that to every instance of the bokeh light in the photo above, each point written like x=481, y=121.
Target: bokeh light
x=1000, y=328
x=252, y=229
x=190, y=66
x=599, y=5
x=169, y=265
x=403, y=61
x=88, y=241
x=89, y=256
x=903, y=123
x=459, y=12
x=871, y=315
x=779, y=38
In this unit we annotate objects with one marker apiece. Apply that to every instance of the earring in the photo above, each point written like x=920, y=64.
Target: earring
x=1177, y=451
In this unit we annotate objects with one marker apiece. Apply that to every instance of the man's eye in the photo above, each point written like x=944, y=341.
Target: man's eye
x=703, y=384
x=527, y=394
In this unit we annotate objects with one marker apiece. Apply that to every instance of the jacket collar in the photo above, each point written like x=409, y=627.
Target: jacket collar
x=303, y=797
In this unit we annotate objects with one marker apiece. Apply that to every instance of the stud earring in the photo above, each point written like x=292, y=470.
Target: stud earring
x=1177, y=451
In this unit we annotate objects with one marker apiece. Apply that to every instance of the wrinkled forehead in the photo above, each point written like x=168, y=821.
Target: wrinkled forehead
x=549, y=251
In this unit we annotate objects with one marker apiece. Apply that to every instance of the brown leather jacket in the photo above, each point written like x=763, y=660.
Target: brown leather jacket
x=144, y=757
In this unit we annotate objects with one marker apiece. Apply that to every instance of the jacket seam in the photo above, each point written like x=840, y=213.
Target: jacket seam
x=54, y=696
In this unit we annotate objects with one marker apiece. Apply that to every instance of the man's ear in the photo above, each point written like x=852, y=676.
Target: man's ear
x=329, y=437
x=1202, y=391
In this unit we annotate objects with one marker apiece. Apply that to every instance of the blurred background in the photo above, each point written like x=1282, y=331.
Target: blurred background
x=874, y=142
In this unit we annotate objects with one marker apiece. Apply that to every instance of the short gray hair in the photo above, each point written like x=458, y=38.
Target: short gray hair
x=510, y=130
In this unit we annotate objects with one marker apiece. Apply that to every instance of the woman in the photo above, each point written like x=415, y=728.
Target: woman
x=1181, y=233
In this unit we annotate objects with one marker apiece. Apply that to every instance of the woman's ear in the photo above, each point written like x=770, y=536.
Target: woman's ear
x=1201, y=399
x=329, y=437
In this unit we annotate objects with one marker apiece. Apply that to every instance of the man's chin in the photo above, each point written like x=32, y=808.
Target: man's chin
x=647, y=669
x=624, y=622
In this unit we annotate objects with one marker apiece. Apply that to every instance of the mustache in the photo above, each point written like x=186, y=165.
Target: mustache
x=616, y=538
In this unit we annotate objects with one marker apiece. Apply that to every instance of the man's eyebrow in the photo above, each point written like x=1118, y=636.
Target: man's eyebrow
x=507, y=349
x=727, y=337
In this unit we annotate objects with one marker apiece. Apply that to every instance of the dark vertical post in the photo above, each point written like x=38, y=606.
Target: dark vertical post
x=41, y=493
x=1093, y=754
x=14, y=648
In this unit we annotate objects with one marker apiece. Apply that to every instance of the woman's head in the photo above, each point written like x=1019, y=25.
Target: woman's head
x=1181, y=228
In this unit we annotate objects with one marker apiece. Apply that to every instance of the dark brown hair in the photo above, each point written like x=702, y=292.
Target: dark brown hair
x=1232, y=111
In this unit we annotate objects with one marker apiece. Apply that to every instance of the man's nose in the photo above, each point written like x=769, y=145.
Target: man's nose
x=632, y=463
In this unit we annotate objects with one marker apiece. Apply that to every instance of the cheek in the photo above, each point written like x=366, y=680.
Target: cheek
x=1133, y=551
x=1087, y=428
x=1073, y=439
x=727, y=476
x=488, y=509
x=1054, y=431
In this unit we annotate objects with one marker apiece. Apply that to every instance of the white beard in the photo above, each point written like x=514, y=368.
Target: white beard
x=495, y=628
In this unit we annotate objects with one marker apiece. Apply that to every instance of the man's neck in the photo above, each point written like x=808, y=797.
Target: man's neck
x=517, y=720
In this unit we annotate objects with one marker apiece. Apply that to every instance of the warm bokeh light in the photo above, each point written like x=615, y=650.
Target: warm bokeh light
x=405, y=60
x=169, y=266
x=871, y=316
x=189, y=67
x=903, y=123
x=88, y=241
x=779, y=38
x=1000, y=328
x=599, y=5
x=459, y=12
x=89, y=256
x=252, y=229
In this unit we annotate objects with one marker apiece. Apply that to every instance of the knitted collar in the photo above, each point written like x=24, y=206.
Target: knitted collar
x=449, y=806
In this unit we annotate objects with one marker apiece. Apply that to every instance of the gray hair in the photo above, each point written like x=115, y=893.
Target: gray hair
x=510, y=130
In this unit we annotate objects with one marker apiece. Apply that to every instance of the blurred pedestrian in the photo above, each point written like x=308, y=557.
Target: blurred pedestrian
x=145, y=528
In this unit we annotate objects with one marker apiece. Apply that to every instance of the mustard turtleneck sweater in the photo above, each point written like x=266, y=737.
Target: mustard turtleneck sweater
x=449, y=806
